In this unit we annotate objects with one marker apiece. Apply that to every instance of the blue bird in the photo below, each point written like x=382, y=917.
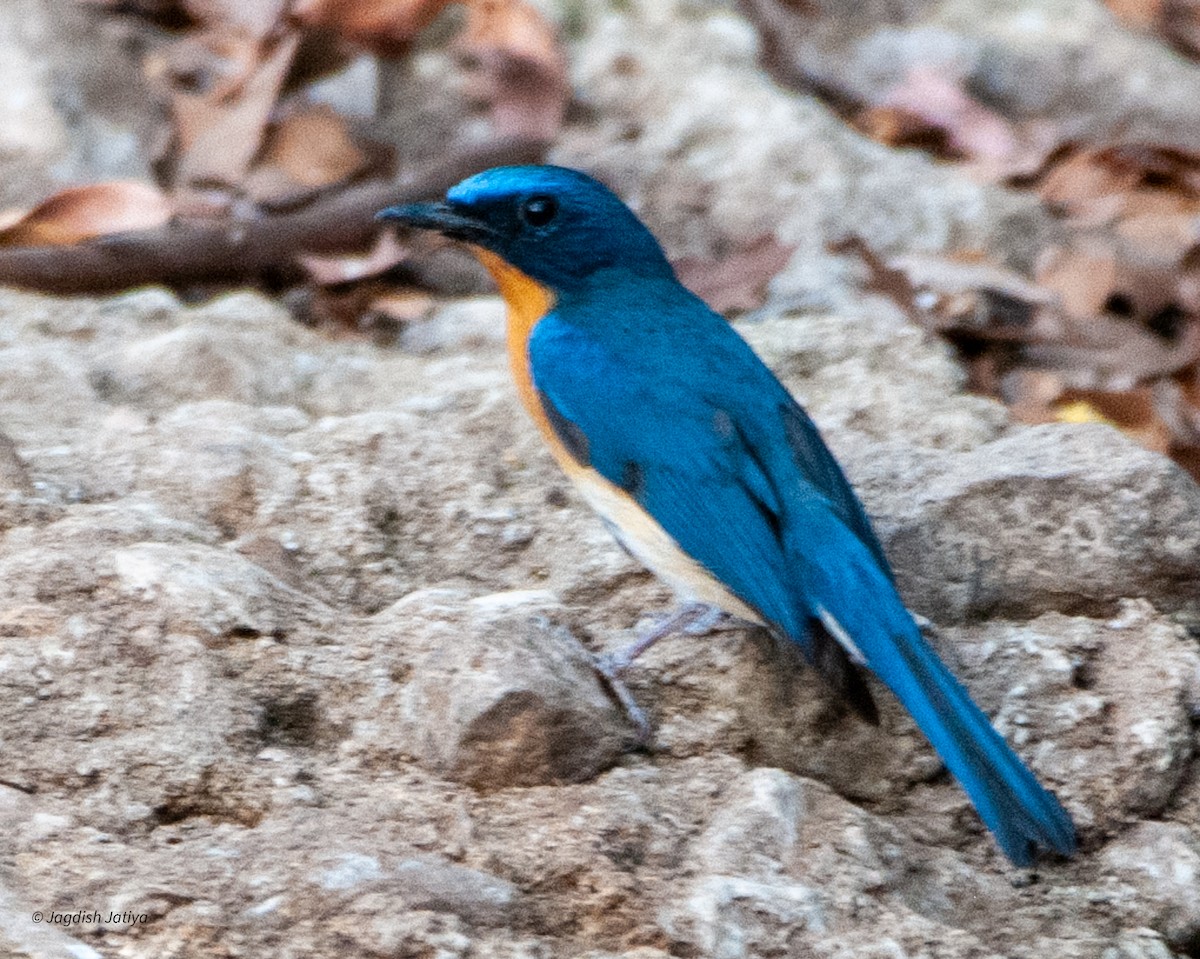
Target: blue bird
x=706, y=469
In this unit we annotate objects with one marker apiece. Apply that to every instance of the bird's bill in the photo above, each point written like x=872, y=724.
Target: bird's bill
x=441, y=217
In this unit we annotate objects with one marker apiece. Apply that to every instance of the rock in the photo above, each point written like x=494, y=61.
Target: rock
x=1138, y=944
x=211, y=594
x=1100, y=709
x=506, y=698
x=22, y=935
x=729, y=913
x=67, y=119
x=14, y=475
x=883, y=378
x=714, y=154
x=732, y=917
x=756, y=829
x=1012, y=54
x=1067, y=518
x=295, y=632
x=477, y=897
x=474, y=322
x=376, y=930
x=1162, y=861
x=428, y=883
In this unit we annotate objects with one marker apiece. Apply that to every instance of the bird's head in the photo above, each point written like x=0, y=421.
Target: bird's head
x=557, y=226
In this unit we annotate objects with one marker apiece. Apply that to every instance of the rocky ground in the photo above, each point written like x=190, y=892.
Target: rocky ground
x=295, y=632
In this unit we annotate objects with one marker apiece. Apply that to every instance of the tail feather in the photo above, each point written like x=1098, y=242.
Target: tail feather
x=861, y=600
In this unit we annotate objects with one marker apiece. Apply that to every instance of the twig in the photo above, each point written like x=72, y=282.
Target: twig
x=229, y=251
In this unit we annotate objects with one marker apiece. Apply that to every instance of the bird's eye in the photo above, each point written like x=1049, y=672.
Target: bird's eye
x=537, y=211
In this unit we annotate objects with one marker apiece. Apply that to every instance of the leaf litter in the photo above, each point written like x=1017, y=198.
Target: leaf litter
x=1106, y=327
x=259, y=183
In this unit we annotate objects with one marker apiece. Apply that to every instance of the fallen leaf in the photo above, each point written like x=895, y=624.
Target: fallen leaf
x=1083, y=277
x=738, y=281
x=969, y=295
x=220, y=134
x=929, y=108
x=332, y=270
x=307, y=150
x=1140, y=13
x=521, y=70
x=1134, y=412
x=169, y=13
x=883, y=278
x=80, y=213
x=406, y=306
x=386, y=27
x=255, y=17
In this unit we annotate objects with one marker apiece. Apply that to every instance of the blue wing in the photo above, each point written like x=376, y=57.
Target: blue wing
x=681, y=457
x=682, y=414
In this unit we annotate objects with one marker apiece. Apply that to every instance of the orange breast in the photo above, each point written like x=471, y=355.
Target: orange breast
x=528, y=301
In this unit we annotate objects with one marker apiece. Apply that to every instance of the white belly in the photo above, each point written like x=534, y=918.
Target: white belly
x=654, y=547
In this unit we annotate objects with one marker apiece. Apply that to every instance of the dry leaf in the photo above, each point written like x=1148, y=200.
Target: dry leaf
x=255, y=17
x=739, y=280
x=80, y=213
x=385, y=26
x=219, y=136
x=332, y=270
x=928, y=107
x=1134, y=412
x=306, y=151
x=522, y=70
x=1140, y=13
x=1083, y=277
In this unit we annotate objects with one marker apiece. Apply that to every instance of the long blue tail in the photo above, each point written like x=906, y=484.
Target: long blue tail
x=856, y=601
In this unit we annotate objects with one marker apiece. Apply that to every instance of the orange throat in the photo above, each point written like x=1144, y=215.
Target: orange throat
x=528, y=301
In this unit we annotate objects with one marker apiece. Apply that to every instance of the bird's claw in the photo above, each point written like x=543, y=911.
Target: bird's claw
x=609, y=669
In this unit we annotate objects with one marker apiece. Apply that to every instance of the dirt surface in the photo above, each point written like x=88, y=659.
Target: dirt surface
x=295, y=632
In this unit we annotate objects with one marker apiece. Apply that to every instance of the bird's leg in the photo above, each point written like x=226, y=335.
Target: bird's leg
x=695, y=619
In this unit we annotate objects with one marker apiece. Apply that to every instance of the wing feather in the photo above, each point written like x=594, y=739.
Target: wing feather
x=698, y=474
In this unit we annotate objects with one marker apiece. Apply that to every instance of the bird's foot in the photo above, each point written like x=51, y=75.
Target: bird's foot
x=611, y=680
x=694, y=619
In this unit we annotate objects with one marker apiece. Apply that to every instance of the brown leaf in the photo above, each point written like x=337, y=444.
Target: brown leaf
x=1134, y=412
x=738, y=281
x=220, y=134
x=255, y=17
x=1098, y=185
x=1105, y=354
x=386, y=27
x=1031, y=394
x=240, y=251
x=332, y=270
x=927, y=108
x=80, y=213
x=1080, y=186
x=306, y=151
x=1083, y=277
x=1140, y=13
x=521, y=67
x=1181, y=25
x=971, y=296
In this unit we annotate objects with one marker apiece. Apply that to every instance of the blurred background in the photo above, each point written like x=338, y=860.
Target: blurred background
x=1036, y=207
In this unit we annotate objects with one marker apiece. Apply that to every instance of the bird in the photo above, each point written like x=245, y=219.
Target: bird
x=707, y=470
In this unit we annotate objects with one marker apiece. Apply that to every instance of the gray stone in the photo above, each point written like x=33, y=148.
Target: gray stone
x=476, y=896
x=1162, y=860
x=1058, y=517
x=507, y=698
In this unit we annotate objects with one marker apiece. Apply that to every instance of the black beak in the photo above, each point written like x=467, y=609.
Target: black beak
x=441, y=217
